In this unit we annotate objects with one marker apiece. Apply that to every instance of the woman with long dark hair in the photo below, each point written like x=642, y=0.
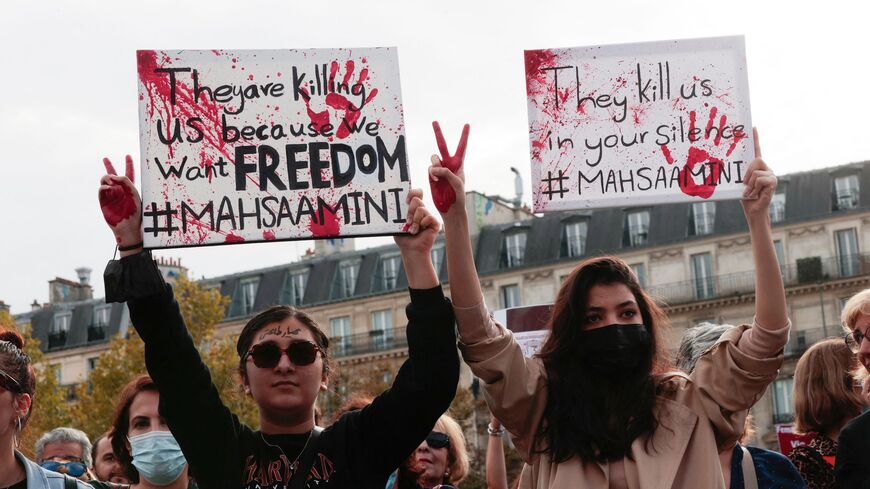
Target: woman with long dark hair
x=599, y=406
x=283, y=365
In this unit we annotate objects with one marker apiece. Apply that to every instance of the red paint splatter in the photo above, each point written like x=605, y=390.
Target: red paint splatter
x=117, y=204
x=268, y=235
x=535, y=60
x=667, y=153
x=233, y=238
x=331, y=225
x=738, y=136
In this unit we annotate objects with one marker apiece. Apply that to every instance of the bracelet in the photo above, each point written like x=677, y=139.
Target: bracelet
x=494, y=432
x=131, y=247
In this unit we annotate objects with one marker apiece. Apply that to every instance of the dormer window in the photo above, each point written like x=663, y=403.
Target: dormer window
x=387, y=273
x=636, y=228
x=59, y=329
x=344, y=284
x=574, y=238
x=293, y=292
x=846, y=192
x=101, y=316
x=244, y=297
x=514, y=248
x=703, y=218
x=777, y=207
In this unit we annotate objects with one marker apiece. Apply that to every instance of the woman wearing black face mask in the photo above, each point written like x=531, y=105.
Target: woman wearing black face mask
x=600, y=407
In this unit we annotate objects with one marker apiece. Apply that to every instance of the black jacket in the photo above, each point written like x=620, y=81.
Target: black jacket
x=360, y=450
x=853, y=455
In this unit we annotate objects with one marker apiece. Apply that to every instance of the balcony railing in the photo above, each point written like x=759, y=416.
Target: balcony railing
x=801, y=339
x=371, y=342
x=810, y=270
x=56, y=339
x=96, y=332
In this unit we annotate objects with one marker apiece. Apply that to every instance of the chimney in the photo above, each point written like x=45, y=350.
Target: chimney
x=518, y=188
x=4, y=307
x=35, y=306
x=84, y=274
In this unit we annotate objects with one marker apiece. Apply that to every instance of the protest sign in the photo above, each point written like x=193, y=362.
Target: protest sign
x=528, y=324
x=638, y=124
x=270, y=145
x=789, y=440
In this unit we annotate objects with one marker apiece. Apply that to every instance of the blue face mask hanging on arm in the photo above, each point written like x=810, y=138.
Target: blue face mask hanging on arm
x=157, y=457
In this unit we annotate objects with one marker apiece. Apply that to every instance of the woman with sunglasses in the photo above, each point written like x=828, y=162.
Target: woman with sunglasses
x=284, y=364
x=600, y=406
x=441, y=460
x=852, y=470
x=17, y=392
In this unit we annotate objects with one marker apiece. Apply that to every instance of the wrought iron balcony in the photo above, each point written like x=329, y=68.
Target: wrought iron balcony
x=801, y=339
x=96, y=332
x=371, y=342
x=805, y=271
x=56, y=339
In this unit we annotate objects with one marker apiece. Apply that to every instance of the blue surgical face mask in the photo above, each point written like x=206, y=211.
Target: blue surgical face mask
x=157, y=457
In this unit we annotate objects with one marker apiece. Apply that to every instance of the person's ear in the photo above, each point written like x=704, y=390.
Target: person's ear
x=324, y=382
x=22, y=405
x=246, y=385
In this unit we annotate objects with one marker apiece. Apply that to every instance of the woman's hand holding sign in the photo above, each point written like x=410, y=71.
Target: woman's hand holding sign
x=122, y=206
x=443, y=191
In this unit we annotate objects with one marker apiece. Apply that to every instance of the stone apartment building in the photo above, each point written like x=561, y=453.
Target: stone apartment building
x=695, y=258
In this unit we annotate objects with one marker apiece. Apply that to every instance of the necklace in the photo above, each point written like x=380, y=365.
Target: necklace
x=282, y=450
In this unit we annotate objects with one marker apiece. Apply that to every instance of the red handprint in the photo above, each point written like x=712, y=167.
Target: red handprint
x=442, y=193
x=346, y=112
x=698, y=155
x=117, y=199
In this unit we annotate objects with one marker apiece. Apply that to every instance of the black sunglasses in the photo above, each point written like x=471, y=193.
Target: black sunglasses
x=854, y=340
x=7, y=382
x=268, y=354
x=436, y=439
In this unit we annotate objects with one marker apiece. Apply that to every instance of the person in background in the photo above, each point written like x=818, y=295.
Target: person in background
x=67, y=451
x=146, y=450
x=106, y=466
x=441, y=460
x=852, y=470
x=763, y=468
x=825, y=399
x=17, y=393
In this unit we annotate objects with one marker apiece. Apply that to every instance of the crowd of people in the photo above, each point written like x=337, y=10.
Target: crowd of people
x=602, y=405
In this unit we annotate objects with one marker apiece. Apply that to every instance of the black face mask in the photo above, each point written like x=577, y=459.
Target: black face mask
x=616, y=349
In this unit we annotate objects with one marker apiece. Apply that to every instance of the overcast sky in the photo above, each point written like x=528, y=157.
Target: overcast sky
x=68, y=95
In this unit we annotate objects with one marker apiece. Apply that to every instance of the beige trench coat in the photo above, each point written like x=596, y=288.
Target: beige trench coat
x=705, y=411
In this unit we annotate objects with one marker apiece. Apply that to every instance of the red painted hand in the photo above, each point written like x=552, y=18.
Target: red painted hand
x=347, y=114
x=701, y=154
x=120, y=203
x=442, y=192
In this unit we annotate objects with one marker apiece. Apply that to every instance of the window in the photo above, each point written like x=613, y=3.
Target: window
x=702, y=275
x=847, y=252
x=61, y=323
x=101, y=316
x=345, y=279
x=293, y=292
x=382, y=329
x=780, y=256
x=846, y=192
x=636, y=228
x=703, y=216
x=640, y=271
x=244, y=297
x=574, y=238
x=510, y=296
x=783, y=406
x=437, y=255
x=514, y=249
x=58, y=372
x=340, y=329
x=387, y=273
x=92, y=364
x=777, y=207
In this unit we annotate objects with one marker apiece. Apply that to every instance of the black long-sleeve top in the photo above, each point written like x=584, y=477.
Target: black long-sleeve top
x=360, y=450
x=853, y=457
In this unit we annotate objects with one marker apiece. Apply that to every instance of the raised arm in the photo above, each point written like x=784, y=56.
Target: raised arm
x=464, y=282
x=771, y=313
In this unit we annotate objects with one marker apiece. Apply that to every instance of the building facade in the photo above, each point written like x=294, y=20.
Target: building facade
x=694, y=258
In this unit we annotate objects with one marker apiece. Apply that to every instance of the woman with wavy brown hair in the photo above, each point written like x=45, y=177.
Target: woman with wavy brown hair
x=599, y=406
x=825, y=399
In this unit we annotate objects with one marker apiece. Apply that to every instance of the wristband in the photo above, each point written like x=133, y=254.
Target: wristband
x=494, y=432
x=131, y=247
